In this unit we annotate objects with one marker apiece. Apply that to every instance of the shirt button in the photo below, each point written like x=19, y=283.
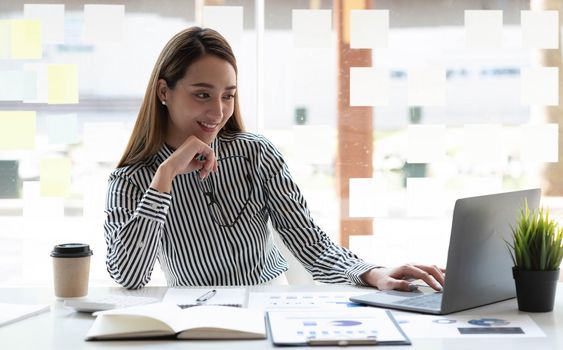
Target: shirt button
x=141, y=245
x=154, y=206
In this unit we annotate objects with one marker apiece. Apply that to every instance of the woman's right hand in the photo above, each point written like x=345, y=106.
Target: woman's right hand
x=185, y=160
x=400, y=277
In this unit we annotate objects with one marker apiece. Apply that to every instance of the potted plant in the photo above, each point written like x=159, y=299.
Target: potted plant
x=537, y=250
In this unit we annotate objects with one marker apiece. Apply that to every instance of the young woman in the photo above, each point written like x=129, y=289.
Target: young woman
x=196, y=192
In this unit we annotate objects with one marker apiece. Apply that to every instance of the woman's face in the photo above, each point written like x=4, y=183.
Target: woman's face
x=202, y=101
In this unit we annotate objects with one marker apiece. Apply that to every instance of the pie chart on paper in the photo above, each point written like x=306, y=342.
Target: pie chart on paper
x=345, y=323
x=488, y=322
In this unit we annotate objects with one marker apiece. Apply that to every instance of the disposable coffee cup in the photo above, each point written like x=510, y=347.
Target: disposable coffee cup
x=71, y=269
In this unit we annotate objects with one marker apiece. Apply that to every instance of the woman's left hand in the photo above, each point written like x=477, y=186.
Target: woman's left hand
x=399, y=277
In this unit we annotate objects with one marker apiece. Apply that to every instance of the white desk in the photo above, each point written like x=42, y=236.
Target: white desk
x=62, y=328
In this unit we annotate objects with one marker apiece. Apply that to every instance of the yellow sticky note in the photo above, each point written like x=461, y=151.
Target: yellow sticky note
x=26, y=39
x=5, y=39
x=62, y=84
x=17, y=130
x=54, y=177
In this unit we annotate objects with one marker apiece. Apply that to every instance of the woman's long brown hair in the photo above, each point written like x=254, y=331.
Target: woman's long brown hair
x=179, y=53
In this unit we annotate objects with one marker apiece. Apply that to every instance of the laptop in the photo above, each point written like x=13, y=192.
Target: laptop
x=479, y=267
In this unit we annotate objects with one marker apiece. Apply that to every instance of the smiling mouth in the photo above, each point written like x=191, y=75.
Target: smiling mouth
x=207, y=127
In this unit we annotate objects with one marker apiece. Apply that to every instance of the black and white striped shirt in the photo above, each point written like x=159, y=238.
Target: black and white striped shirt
x=176, y=228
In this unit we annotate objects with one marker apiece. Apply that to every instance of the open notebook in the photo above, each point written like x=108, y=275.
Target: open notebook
x=169, y=320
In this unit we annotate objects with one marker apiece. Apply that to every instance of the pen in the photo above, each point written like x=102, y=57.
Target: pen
x=206, y=296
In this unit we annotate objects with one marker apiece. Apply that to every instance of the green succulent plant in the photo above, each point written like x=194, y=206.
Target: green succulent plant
x=537, y=241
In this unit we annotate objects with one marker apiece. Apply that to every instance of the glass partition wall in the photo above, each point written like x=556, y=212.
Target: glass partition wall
x=385, y=111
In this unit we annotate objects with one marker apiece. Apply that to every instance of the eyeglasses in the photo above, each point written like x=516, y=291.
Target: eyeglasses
x=207, y=187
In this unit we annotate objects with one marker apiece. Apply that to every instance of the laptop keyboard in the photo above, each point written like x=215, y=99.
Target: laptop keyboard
x=427, y=301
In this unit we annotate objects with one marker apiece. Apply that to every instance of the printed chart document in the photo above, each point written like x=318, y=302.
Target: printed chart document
x=453, y=326
x=187, y=297
x=10, y=313
x=359, y=326
x=169, y=320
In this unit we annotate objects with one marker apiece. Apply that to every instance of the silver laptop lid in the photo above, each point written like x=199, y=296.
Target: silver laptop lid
x=479, y=264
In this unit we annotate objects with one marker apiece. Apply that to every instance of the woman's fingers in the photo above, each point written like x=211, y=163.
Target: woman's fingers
x=435, y=271
x=194, y=154
x=417, y=272
x=208, y=165
x=401, y=278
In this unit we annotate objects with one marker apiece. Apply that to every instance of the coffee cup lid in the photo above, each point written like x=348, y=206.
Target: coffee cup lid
x=71, y=250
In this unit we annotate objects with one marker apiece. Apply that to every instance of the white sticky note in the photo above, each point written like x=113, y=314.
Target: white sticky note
x=94, y=192
x=105, y=142
x=541, y=143
x=397, y=238
x=322, y=136
x=5, y=39
x=38, y=86
x=34, y=269
x=63, y=83
x=10, y=85
x=17, y=85
x=369, y=86
x=479, y=186
x=17, y=130
x=11, y=253
x=387, y=246
x=54, y=177
x=426, y=87
x=426, y=143
x=25, y=39
x=312, y=28
x=425, y=197
x=540, y=29
x=103, y=24
x=364, y=246
x=62, y=129
x=28, y=85
x=539, y=86
x=369, y=29
x=481, y=144
x=36, y=206
x=51, y=17
x=227, y=20
x=483, y=28
x=367, y=198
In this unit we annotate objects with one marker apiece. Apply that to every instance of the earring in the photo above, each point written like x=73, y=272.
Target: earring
x=164, y=103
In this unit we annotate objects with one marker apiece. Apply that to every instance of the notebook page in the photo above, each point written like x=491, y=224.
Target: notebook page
x=165, y=313
x=222, y=322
